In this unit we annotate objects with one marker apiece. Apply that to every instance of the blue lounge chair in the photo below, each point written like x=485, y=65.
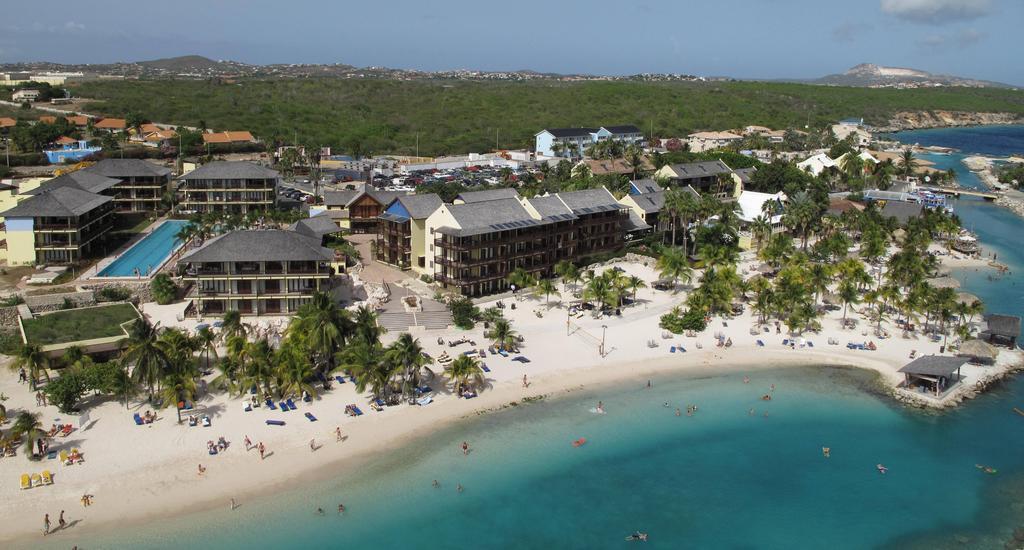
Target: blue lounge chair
x=672, y=349
x=502, y=353
x=352, y=379
x=291, y=404
x=311, y=417
x=275, y=422
x=681, y=349
x=357, y=411
x=760, y=343
x=785, y=342
x=308, y=398
x=379, y=402
x=424, y=389
x=271, y=405
x=810, y=344
x=486, y=368
x=188, y=406
x=284, y=406
x=340, y=379
x=138, y=420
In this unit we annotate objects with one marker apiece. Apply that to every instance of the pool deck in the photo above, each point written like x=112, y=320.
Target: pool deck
x=92, y=274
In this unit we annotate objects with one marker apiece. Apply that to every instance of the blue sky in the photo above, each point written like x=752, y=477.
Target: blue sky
x=740, y=38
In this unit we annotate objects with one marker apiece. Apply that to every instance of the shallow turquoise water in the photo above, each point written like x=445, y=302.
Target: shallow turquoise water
x=721, y=479
x=147, y=254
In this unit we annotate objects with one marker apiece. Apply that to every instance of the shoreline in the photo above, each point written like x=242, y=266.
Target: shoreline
x=929, y=120
x=177, y=485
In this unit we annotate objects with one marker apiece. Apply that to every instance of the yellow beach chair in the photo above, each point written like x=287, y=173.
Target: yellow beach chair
x=47, y=477
x=64, y=457
x=36, y=480
x=26, y=483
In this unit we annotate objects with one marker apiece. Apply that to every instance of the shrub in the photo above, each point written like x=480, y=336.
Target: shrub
x=678, y=322
x=164, y=289
x=426, y=278
x=12, y=300
x=10, y=342
x=113, y=294
x=66, y=390
x=464, y=313
x=67, y=304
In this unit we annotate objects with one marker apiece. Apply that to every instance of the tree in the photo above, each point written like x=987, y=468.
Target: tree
x=907, y=163
x=27, y=426
x=519, y=279
x=146, y=354
x=31, y=358
x=849, y=294
x=164, y=289
x=672, y=264
x=206, y=340
x=66, y=390
x=465, y=373
x=406, y=355
x=567, y=271
x=502, y=334
x=801, y=214
x=546, y=287
x=634, y=283
x=464, y=313
x=324, y=327
x=760, y=230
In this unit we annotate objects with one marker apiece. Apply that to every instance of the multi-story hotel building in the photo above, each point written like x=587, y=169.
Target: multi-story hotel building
x=256, y=272
x=56, y=223
x=402, y=232
x=226, y=186
x=140, y=184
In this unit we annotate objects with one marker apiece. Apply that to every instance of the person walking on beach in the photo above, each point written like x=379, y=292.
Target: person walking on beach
x=248, y=443
x=337, y=434
x=22, y=376
x=46, y=525
x=233, y=505
x=525, y=383
x=262, y=450
x=201, y=470
x=312, y=445
x=465, y=449
x=60, y=521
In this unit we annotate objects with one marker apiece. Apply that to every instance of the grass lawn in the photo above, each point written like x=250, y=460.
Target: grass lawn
x=79, y=324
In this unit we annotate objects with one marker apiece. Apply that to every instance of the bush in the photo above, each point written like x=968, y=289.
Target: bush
x=12, y=300
x=67, y=304
x=678, y=322
x=113, y=294
x=10, y=342
x=426, y=278
x=164, y=289
x=464, y=313
x=66, y=390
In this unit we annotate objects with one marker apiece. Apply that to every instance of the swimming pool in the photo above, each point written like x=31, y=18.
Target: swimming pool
x=148, y=254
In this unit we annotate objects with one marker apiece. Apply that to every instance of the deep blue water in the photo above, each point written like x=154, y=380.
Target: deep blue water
x=721, y=479
x=983, y=140
x=147, y=254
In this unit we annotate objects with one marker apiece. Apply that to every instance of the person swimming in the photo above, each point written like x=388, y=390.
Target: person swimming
x=826, y=451
x=600, y=407
x=637, y=536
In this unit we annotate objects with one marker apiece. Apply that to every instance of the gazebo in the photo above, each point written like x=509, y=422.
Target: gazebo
x=933, y=373
x=1002, y=329
x=978, y=351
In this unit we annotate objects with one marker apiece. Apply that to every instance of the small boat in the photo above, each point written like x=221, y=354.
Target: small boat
x=987, y=469
x=1018, y=411
x=579, y=442
x=881, y=469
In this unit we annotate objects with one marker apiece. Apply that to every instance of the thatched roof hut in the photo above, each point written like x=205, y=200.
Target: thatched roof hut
x=966, y=298
x=979, y=351
x=944, y=282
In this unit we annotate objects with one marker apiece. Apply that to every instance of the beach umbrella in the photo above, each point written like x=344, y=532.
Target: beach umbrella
x=979, y=351
x=944, y=282
x=966, y=298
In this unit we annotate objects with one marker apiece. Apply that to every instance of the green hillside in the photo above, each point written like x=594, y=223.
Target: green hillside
x=378, y=116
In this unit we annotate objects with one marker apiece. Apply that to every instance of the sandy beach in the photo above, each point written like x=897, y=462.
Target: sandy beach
x=141, y=472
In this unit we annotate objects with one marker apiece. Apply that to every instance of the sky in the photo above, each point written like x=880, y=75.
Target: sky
x=763, y=39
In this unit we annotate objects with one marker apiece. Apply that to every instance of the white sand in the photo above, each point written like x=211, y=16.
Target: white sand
x=138, y=472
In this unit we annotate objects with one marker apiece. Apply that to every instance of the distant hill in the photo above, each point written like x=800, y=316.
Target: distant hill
x=878, y=76
x=188, y=64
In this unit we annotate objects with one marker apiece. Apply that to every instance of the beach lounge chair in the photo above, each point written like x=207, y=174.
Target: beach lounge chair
x=36, y=480
x=468, y=394
x=64, y=458
x=340, y=379
x=785, y=341
x=138, y=419
x=379, y=402
x=26, y=482
x=311, y=417
x=760, y=343
x=206, y=422
x=357, y=411
x=66, y=430
x=270, y=405
x=810, y=344
x=275, y=422
x=291, y=404
x=672, y=349
x=51, y=455
x=681, y=349
x=284, y=406
x=247, y=407
x=502, y=353
x=424, y=389
x=375, y=406
x=485, y=368
x=349, y=411
x=424, y=401
x=47, y=477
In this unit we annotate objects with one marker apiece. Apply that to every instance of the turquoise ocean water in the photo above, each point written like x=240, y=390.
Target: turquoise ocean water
x=719, y=479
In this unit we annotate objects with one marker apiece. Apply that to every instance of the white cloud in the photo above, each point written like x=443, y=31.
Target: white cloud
x=942, y=42
x=936, y=12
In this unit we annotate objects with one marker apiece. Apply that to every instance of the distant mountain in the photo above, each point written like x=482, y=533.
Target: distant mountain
x=185, y=64
x=878, y=76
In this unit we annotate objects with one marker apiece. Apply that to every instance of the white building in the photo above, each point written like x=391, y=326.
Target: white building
x=816, y=164
x=566, y=142
x=709, y=141
x=25, y=95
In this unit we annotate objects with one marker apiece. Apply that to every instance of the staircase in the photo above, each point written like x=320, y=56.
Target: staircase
x=435, y=315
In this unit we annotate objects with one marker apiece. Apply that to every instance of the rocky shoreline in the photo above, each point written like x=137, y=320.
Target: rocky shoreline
x=920, y=120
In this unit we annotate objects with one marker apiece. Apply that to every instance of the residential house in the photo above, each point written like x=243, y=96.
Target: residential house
x=817, y=164
x=770, y=205
x=852, y=127
x=603, y=167
x=25, y=95
x=712, y=176
x=474, y=246
x=111, y=124
x=238, y=136
x=70, y=151
x=256, y=272
x=709, y=141
x=235, y=187
x=402, y=232
x=358, y=210
x=646, y=201
x=142, y=184
x=80, y=121
x=58, y=222
x=7, y=122
x=568, y=142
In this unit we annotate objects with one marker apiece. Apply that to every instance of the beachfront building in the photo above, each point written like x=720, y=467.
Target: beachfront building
x=256, y=272
x=358, y=211
x=140, y=186
x=712, y=176
x=402, y=232
x=234, y=187
x=474, y=246
x=57, y=223
x=934, y=374
x=1001, y=329
x=571, y=142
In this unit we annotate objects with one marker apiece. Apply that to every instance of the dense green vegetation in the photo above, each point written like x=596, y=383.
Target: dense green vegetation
x=383, y=116
x=1011, y=173
x=79, y=324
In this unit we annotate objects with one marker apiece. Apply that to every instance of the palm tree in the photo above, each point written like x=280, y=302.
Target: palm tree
x=363, y=361
x=801, y=213
x=406, y=355
x=908, y=163
x=634, y=283
x=599, y=289
x=178, y=388
x=146, y=354
x=465, y=373
x=502, y=334
x=31, y=358
x=257, y=363
x=818, y=278
x=546, y=287
x=760, y=230
x=365, y=326
x=324, y=327
x=294, y=372
x=567, y=271
x=27, y=425
x=519, y=278
x=206, y=342
x=635, y=157
x=232, y=325
x=849, y=294
x=672, y=264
